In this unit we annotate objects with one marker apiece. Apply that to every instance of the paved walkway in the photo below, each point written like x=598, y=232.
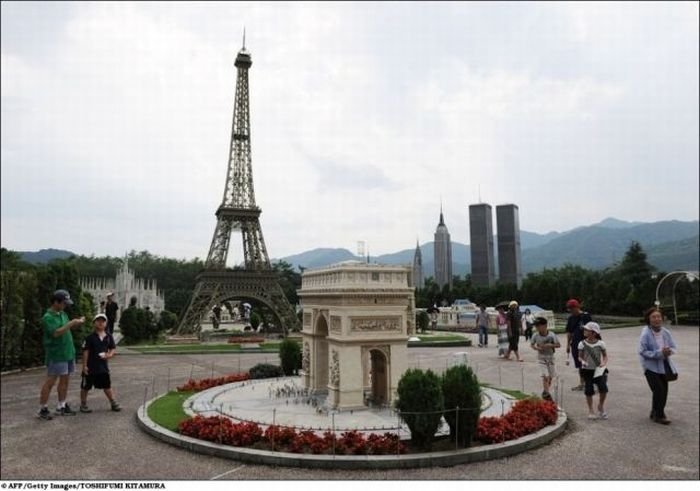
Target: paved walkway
x=627, y=446
x=255, y=401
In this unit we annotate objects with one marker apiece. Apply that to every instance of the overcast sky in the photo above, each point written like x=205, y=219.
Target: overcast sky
x=116, y=120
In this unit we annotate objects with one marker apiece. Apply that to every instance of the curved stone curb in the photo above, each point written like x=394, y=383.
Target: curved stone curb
x=431, y=459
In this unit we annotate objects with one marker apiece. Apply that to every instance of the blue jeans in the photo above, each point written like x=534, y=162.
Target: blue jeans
x=483, y=336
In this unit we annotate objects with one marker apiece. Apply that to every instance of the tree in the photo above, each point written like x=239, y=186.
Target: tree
x=422, y=320
x=139, y=325
x=289, y=280
x=290, y=356
x=460, y=388
x=255, y=320
x=420, y=405
x=167, y=321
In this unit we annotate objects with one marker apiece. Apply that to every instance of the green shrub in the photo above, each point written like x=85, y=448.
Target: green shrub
x=460, y=389
x=422, y=320
x=420, y=392
x=255, y=321
x=138, y=325
x=265, y=370
x=290, y=356
x=167, y=321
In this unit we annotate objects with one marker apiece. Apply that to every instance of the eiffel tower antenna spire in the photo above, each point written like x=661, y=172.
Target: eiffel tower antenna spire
x=256, y=280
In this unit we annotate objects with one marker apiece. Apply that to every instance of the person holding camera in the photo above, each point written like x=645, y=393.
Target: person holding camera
x=60, y=353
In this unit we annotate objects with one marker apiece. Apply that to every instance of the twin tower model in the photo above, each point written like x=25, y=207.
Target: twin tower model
x=482, y=248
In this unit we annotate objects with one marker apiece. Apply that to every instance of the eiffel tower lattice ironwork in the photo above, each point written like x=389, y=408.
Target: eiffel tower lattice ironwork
x=238, y=211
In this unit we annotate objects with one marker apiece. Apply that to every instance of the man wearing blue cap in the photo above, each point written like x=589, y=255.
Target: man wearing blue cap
x=60, y=353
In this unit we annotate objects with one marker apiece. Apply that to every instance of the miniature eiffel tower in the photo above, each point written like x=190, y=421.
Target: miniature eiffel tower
x=238, y=211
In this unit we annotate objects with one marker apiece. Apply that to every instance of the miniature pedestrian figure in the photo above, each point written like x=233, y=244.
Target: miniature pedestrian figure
x=656, y=347
x=514, y=323
x=98, y=348
x=545, y=342
x=482, y=320
x=528, y=322
x=502, y=325
x=60, y=353
x=574, y=335
x=594, y=360
x=110, y=311
x=216, y=317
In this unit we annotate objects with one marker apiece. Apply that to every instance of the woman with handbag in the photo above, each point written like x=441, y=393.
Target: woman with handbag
x=656, y=346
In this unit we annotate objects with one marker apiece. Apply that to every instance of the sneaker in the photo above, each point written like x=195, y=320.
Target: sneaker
x=116, y=407
x=65, y=411
x=85, y=409
x=577, y=387
x=45, y=414
x=592, y=416
x=603, y=415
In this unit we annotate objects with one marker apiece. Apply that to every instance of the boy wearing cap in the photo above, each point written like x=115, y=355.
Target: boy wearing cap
x=60, y=353
x=545, y=342
x=98, y=347
x=574, y=335
x=594, y=360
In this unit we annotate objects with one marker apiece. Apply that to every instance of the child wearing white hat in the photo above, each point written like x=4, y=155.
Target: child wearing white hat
x=594, y=360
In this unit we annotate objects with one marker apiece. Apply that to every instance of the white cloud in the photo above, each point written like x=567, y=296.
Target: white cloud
x=363, y=116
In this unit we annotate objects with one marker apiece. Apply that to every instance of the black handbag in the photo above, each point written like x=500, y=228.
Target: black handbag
x=670, y=374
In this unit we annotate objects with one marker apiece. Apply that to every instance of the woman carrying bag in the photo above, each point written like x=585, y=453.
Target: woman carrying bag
x=656, y=347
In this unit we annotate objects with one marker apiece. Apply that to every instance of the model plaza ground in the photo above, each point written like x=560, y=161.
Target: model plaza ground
x=623, y=445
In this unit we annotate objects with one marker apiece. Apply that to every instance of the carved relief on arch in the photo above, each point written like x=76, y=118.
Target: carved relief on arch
x=307, y=319
x=306, y=358
x=336, y=324
x=334, y=369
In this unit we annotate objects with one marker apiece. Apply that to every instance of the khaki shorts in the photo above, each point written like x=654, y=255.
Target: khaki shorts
x=547, y=368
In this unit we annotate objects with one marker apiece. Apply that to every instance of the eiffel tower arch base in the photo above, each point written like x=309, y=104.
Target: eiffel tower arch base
x=214, y=287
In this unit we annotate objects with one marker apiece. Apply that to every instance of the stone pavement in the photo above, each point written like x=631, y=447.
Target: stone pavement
x=627, y=446
x=254, y=401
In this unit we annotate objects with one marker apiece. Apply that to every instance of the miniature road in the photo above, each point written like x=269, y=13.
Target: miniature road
x=105, y=445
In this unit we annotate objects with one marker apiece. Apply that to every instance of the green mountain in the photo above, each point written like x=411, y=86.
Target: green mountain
x=674, y=256
x=669, y=245
x=598, y=247
x=44, y=255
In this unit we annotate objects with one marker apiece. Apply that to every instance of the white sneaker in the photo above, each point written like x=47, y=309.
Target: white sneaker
x=603, y=415
x=592, y=416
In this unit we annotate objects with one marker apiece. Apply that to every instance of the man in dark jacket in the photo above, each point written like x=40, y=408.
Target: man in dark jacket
x=574, y=335
x=111, y=312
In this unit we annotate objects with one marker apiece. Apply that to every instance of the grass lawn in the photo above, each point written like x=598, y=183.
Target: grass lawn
x=200, y=348
x=437, y=338
x=167, y=411
x=511, y=392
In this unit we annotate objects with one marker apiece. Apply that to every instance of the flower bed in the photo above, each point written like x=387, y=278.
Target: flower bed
x=207, y=383
x=245, y=339
x=222, y=430
x=525, y=417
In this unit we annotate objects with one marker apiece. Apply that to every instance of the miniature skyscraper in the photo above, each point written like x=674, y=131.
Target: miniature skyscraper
x=508, y=224
x=481, y=245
